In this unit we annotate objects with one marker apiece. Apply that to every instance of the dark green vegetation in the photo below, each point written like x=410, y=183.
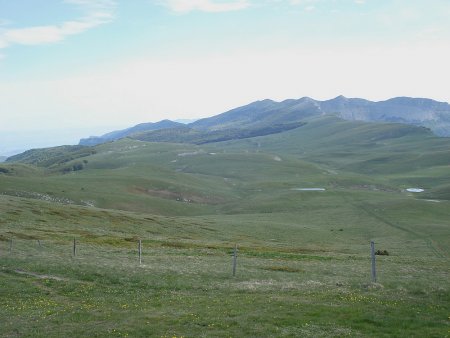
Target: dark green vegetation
x=57, y=157
x=118, y=134
x=195, y=136
x=303, y=265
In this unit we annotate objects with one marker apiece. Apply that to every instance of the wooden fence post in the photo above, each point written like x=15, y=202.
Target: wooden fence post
x=140, y=252
x=74, y=247
x=234, y=260
x=374, y=269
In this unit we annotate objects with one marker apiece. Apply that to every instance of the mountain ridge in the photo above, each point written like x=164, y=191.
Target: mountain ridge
x=262, y=114
x=416, y=111
x=118, y=134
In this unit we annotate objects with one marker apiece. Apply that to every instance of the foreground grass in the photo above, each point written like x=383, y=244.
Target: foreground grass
x=295, y=277
x=191, y=293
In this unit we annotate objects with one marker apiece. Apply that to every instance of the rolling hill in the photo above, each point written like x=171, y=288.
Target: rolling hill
x=118, y=134
x=301, y=204
x=241, y=175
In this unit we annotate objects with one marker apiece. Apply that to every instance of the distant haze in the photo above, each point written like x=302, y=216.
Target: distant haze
x=266, y=113
x=74, y=65
x=14, y=142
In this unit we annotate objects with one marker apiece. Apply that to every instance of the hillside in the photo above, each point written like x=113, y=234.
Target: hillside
x=308, y=265
x=261, y=113
x=415, y=111
x=301, y=205
x=267, y=116
x=243, y=175
x=55, y=158
x=118, y=134
x=196, y=136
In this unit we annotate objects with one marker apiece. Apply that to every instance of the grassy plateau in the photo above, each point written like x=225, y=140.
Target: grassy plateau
x=303, y=260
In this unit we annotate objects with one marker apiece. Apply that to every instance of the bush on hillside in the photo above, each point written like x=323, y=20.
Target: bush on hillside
x=74, y=167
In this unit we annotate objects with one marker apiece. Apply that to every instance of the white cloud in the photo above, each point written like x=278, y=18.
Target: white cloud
x=98, y=12
x=184, y=6
x=34, y=35
x=301, y=2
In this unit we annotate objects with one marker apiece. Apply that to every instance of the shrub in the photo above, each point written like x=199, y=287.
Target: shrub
x=78, y=166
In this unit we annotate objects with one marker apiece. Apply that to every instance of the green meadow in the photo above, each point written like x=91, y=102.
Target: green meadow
x=303, y=262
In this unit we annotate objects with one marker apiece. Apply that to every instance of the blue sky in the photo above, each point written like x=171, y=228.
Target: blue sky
x=95, y=65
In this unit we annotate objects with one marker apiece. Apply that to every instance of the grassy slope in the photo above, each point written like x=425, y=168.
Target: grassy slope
x=395, y=154
x=303, y=262
x=303, y=274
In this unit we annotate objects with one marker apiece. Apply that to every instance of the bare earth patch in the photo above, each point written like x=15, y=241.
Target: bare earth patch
x=33, y=274
x=180, y=197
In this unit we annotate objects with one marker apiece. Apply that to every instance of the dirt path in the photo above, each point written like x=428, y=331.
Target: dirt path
x=430, y=244
x=22, y=272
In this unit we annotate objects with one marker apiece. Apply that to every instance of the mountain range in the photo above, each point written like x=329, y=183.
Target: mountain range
x=267, y=117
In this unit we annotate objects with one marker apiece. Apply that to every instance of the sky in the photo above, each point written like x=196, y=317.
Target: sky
x=74, y=68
